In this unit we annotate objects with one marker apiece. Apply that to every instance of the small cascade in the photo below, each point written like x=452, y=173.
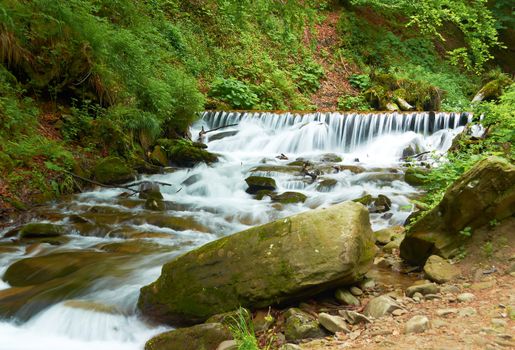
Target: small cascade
x=353, y=155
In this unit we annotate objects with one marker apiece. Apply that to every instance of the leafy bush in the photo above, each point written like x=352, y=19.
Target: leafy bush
x=234, y=92
x=360, y=81
x=353, y=103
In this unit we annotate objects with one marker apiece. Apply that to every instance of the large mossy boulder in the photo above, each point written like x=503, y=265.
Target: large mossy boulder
x=113, y=170
x=186, y=153
x=41, y=230
x=282, y=261
x=484, y=193
x=200, y=337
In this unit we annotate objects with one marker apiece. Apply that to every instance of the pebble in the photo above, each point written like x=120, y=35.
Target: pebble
x=466, y=297
x=354, y=317
x=417, y=324
x=367, y=284
x=417, y=296
x=356, y=291
x=445, y=312
x=432, y=296
x=467, y=312
x=228, y=345
x=346, y=298
x=291, y=347
x=426, y=288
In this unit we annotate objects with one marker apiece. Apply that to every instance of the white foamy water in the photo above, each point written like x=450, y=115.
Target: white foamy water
x=210, y=202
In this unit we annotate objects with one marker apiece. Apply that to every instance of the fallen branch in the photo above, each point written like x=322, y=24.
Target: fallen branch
x=416, y=155
x=203, y=132
x=101, y=184
x=145, y=181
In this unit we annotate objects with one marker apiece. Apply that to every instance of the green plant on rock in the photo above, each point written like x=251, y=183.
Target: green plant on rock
x=242, y=330
x=467, y=231
x=353, y=103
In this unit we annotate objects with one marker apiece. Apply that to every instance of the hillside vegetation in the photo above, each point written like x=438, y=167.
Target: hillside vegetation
x=83, y=79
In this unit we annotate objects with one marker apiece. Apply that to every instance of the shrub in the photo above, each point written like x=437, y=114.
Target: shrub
x=234, y=92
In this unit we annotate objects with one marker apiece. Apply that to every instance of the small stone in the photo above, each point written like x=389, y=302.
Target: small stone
x=432, y=296
x=354, y=335
x=356, y=291
x=367, y=284
x=426, y=288
x=439, y=270
x=346, y=298
x=380, y=306
x=353, y=317
x=332, y=323
x=417, y=324
x=228, y=345
x=417, y=296
x=499, y=322
x=451, y=289
x=398, y=312
x=290, y=346
x=446, y=312
x=467, y=312
x=466, y=297
x=301, y=325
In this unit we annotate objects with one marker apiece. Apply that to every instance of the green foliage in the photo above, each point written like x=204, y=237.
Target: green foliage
x=473, y=18
x=234, y=92
x=360, y=81
x=467, y=231
x=353, y=103
x=242, y=331
x=488, y=249
x=307, y=76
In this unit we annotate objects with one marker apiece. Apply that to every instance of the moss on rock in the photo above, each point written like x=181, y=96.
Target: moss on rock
x=285, y=260
x=259, y=183
x=113, y=170
x=186, y=153
x=200, y=337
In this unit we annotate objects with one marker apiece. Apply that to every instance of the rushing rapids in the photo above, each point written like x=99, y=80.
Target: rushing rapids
x=205, y=202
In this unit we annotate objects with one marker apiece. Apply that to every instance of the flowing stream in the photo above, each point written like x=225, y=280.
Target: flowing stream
x=115, y=246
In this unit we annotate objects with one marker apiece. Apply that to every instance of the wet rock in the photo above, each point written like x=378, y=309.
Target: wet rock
x=185, y=153
x=332, y=323
x=41, y=230
x=354, y=317
x=150, y=190
x=356, y=169
x=259, y=183
x=381, y=204
x=331, y=158
x=40, y=269
x=301, y=325
x=366, y=200
x=289, y=198
x=172, y=222
x=346, y=298
x=264, y=193
x=387, y=235
x=113, y=170
x=158, y=156
x=326, y=185
x=283, y=169
x=415, y=176
x=130, y=247
x=439, y=270
x=466, y=297
x=483, y=193
x=92, y=306
x=155, y=205
x=417, y=324
x=206, y=336
x=265, y=265
x=426, y=288
x=381, y=306
x=395, y=244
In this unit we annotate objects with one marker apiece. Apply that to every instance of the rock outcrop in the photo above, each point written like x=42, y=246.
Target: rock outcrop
x=484, y=193
x=285, y=260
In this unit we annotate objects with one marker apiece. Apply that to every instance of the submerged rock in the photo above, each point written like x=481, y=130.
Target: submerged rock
x=113, y=170
x=484, y=193
x=289, y=198
x=326, y=185
x=205, y=336
x=150, y=190
x=259, y=183
x=41, y=230
x=285, y=260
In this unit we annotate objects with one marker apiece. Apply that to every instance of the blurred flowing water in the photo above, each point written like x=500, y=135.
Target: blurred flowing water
x=205, y=203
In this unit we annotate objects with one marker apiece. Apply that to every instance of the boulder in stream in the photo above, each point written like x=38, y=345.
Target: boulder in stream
x=259, y=183
x=484, y=193
x=205, y=336
x=113, y=170
x=282, y=261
